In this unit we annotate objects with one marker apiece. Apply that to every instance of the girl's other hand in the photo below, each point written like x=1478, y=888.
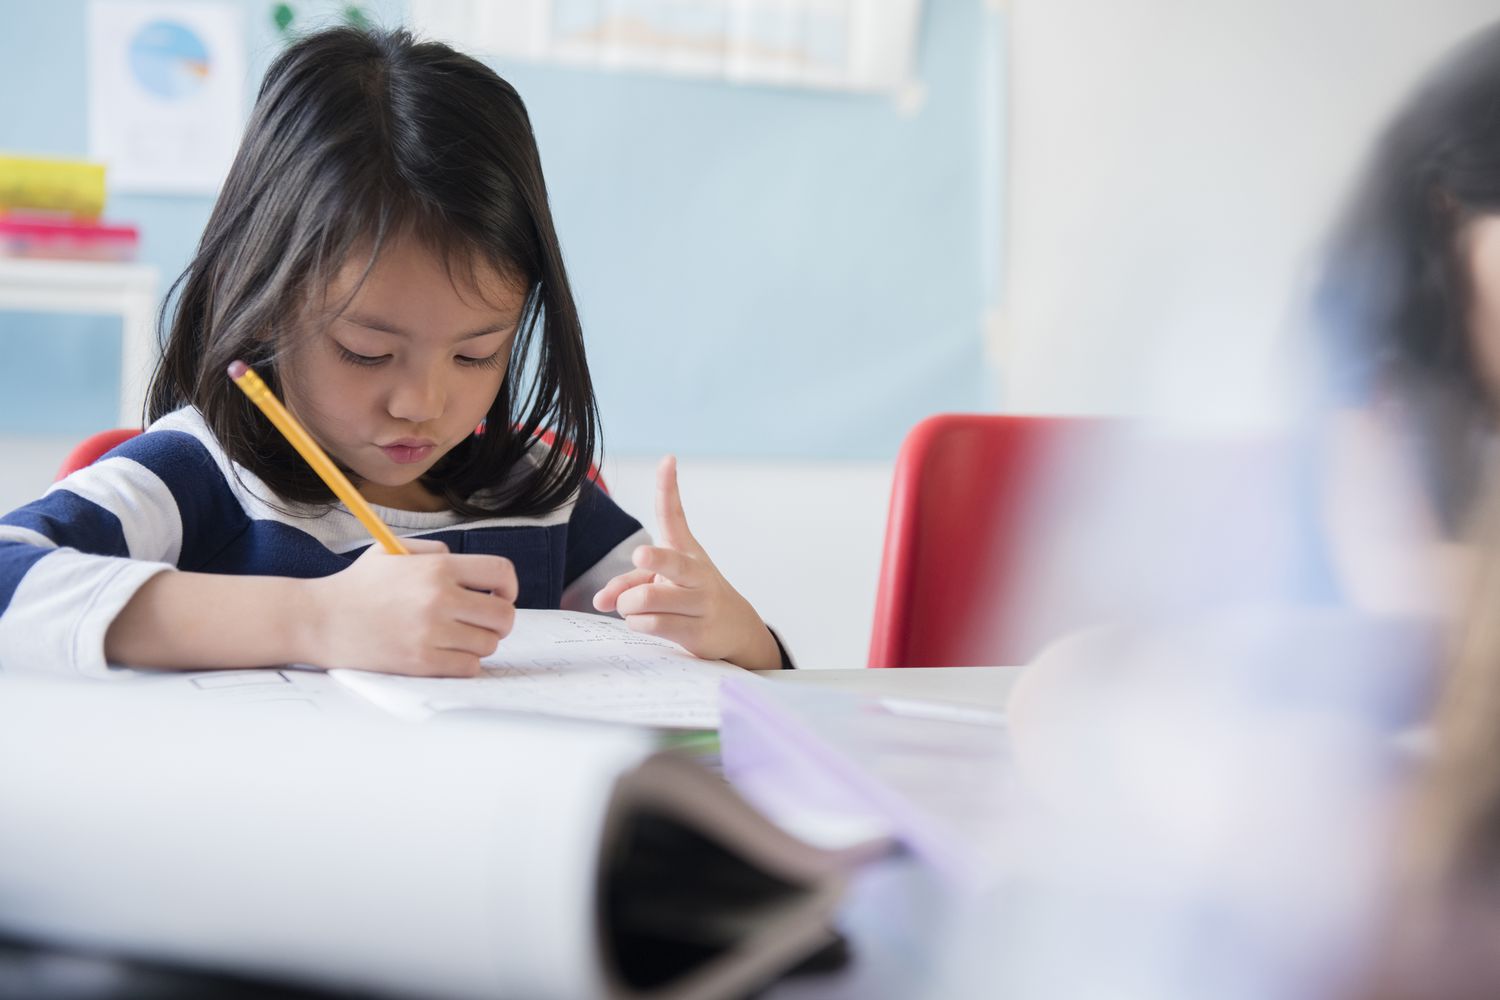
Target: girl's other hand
x=677, y=593
x=427, y=614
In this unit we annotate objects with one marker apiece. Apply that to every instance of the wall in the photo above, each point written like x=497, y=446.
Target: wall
x=774, y=283
x=828, y=250
x=1174, y=168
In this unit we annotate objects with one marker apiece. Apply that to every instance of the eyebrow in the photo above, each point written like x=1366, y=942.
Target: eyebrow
x=371, y=323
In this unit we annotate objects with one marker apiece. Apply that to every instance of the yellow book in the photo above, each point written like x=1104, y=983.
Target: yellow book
x=32, y=182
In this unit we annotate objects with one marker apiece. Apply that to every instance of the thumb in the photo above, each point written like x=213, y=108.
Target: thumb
x=669, y=513
x=418, y=546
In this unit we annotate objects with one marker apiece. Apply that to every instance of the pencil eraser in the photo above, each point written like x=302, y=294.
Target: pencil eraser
x=237, y=369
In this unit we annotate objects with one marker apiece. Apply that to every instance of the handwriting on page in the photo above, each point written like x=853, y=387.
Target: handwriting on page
x=572, y=664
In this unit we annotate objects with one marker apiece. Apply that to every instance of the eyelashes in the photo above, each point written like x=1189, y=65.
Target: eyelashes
x=363, y=360
x=495, y=360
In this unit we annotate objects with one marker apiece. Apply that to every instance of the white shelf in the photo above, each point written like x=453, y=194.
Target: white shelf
x=94, y=287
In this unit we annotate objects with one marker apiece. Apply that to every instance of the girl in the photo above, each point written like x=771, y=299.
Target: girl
x=383, y=254
x=1410, y=303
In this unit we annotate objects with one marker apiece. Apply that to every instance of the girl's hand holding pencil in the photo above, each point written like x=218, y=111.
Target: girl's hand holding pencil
x=405, y=606
x=429, y=613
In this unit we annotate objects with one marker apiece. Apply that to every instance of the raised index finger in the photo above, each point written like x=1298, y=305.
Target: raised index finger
x=669, y=513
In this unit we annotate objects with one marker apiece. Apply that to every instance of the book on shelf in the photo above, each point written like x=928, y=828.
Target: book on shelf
x=58, y=237
x=472, y=856
x=66, y=186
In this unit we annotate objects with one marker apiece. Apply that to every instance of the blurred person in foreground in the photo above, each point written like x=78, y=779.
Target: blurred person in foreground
x=1410, y=302
x=1246, y=773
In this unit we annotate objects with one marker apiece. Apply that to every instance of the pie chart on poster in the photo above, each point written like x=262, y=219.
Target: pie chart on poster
x=169, y=60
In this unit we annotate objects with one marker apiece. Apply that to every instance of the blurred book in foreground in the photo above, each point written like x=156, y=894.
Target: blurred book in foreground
x=478, y=856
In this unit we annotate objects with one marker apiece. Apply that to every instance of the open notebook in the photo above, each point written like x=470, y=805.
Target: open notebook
x=518, y=857
x=566, y=663
x=559, y=663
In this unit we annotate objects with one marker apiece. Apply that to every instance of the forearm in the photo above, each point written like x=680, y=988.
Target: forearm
x=189, y=621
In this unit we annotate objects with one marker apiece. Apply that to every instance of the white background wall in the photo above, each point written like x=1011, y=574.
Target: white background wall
x=1173, y=165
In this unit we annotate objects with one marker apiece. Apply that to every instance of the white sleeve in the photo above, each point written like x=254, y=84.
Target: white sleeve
x=71, y=560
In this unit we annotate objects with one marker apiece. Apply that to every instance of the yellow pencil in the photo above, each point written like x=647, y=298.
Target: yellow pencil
x=244, y=376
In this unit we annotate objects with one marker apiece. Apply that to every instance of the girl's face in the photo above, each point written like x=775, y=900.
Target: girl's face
x=1480, y=251
x=406, y=370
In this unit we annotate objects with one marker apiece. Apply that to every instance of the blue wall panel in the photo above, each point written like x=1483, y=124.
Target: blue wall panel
x=761, y=271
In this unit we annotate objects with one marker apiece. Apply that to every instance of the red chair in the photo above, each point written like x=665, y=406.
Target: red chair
x=92, y=448
x=1009, y=532
x=954, y=539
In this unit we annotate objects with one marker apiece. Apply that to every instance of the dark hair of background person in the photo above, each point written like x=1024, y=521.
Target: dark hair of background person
x=1393, y=299
x=357, y=137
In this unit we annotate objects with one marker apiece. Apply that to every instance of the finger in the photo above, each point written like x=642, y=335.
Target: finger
x=679, y=567
x=417, y=546
x=670, y=517
x=685, y=630
x=447, y=663
x=461, y=637
x=660, y=598
x=494, y=614
x=495, y=574
x=608, y=594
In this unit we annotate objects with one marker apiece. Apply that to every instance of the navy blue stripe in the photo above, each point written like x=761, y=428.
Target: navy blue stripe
x=72, y=522
x=536, y=552
x=597, y=526
x=16, y=558
x=211, y=515
x=270, y=548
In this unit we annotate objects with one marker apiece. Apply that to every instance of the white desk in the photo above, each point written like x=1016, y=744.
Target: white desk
x=94, y=287
x=974, y=687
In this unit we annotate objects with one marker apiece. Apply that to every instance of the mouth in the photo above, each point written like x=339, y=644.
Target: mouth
x=407, y=451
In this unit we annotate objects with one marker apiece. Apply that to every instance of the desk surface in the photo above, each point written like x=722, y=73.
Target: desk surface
x=980, y=687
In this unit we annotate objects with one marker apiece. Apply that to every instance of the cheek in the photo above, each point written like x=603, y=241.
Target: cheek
x=1484, y=333
x=480, y=392
x=324, y=393
x=1482, y=249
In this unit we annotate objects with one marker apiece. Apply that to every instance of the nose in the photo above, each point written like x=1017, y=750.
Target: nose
x=417, y=396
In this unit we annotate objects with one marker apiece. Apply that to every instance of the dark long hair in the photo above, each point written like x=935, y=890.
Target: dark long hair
x=358, y=136
x=1393, y=298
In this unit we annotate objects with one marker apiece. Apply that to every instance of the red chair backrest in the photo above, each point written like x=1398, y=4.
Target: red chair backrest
x=95, y=446
x=92, y=448
x=953, y=543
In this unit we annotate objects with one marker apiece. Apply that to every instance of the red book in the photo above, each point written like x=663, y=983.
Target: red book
x=59, y=237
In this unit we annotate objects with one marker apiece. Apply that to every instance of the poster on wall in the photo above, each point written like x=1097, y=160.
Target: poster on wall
x=853, y=45
x=166, y=92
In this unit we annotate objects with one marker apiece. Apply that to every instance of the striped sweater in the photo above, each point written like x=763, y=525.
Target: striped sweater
x=169, y=498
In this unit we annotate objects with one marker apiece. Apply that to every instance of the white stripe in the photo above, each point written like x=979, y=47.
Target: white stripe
x=15, y=533
x=579, y=595
x=336, y=529
x=148, y=512
x=63, y=607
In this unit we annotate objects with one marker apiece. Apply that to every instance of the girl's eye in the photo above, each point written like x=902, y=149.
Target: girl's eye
x=493, y=361
x=364, y=360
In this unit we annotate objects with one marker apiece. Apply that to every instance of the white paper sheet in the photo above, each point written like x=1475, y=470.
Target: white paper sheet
x=166, y=92
x=856, y=45
x=569, y=664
